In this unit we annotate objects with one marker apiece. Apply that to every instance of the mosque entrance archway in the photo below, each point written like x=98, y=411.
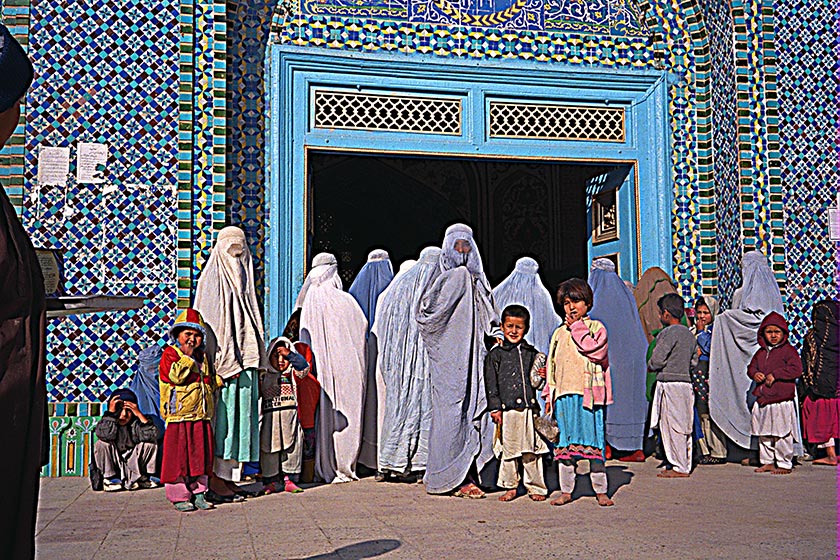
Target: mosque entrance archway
x=403, y=203
x=386, y=113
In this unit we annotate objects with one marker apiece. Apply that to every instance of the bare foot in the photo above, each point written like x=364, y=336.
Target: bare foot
x=826, y=461
x=764, y=468
x=564, y=499
x=508, y=496
x=780, y=470
x=604, y=500
x=537, y=497
x=672, y=474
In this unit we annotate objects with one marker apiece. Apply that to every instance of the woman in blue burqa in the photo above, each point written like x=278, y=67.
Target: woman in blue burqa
x=403, y=369
x=455, y=313
x=369, y=284
x=614, y=305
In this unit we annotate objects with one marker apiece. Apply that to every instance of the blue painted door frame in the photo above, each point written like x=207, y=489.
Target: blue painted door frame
x=292, y=73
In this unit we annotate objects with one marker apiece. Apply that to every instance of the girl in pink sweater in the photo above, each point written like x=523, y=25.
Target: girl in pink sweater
x=578, y=390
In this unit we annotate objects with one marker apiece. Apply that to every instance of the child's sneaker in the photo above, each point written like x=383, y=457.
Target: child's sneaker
x=113, y=485
x=201, y=503
x=291, y=487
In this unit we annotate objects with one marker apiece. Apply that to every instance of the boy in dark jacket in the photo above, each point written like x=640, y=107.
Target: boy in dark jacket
x=774, y=368
x=126, y=449
x=512, y=403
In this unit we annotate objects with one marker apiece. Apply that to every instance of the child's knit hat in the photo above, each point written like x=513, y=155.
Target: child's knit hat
x=15, y=68
x=188, y=319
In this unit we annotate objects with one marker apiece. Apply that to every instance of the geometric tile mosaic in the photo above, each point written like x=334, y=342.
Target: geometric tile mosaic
x=105, y=72
x=726, y=230
x=806, y=46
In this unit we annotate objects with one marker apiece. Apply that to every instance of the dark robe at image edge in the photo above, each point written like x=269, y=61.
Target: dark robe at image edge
x=23, y=391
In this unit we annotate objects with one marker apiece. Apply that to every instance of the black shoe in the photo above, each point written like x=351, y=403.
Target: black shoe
x=214, y=498
x=380, y=476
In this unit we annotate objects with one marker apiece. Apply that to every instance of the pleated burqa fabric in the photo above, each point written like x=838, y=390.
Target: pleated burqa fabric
x=614, y=305
x=455, y=312
x=403, y=370
x=734, y=342
x=523, y=286
x=371, y=281
x=333, y=325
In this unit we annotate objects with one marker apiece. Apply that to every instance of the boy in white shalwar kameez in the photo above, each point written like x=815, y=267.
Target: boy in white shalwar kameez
x=673, y=359
x=509, y=376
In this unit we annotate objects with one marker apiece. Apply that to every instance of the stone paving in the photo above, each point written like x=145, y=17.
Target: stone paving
x=722, y=511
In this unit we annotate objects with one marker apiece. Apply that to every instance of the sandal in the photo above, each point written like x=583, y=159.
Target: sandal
x=184, y=506
x=202, y=503
x=470, y=491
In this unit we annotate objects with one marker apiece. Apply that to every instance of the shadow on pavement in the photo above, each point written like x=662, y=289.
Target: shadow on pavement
x=357, y=551
x=617, y=476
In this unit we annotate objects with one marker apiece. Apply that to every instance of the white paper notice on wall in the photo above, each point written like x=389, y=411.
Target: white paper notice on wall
x=91, y=159
x=834, y=224
x=53, y=166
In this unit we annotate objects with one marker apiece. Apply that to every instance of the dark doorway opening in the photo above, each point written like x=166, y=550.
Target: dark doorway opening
x=516, y=208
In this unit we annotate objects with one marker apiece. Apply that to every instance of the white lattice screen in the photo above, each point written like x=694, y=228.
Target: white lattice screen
x=399, y=113
x=556, y=122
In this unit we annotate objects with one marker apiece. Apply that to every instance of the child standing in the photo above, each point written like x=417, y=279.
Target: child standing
x=281, y=435
x=579, y=388
x=673, y=359
x=186, y=404
x=774, y=368
x=512, y=403
x=308, y=395
x=713, y=443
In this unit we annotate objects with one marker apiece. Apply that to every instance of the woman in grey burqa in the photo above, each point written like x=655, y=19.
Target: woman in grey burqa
x=455, y=313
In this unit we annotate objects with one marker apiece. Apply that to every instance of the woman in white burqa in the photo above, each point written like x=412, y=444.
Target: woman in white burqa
x=455, y=313
x=734, y=342
x=333, y=325
x=524, y=287
x=227, y=300
x=403, y=368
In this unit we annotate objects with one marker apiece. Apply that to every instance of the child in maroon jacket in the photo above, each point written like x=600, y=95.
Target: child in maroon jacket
x=774, y=368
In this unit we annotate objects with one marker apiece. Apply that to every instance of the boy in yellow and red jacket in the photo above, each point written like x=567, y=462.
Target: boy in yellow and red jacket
x=186, y=403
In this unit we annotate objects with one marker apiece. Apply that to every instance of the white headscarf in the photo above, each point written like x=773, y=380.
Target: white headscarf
x=524, y=287
x=227, y=300
x=450, y=258
x=405, y=266
x=759, y=290
x=324, y=269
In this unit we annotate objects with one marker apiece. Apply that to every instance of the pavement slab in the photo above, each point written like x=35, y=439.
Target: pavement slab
x=724, y=511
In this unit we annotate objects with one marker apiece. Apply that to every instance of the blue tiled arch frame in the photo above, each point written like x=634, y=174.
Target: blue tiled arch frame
x=291, y=70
